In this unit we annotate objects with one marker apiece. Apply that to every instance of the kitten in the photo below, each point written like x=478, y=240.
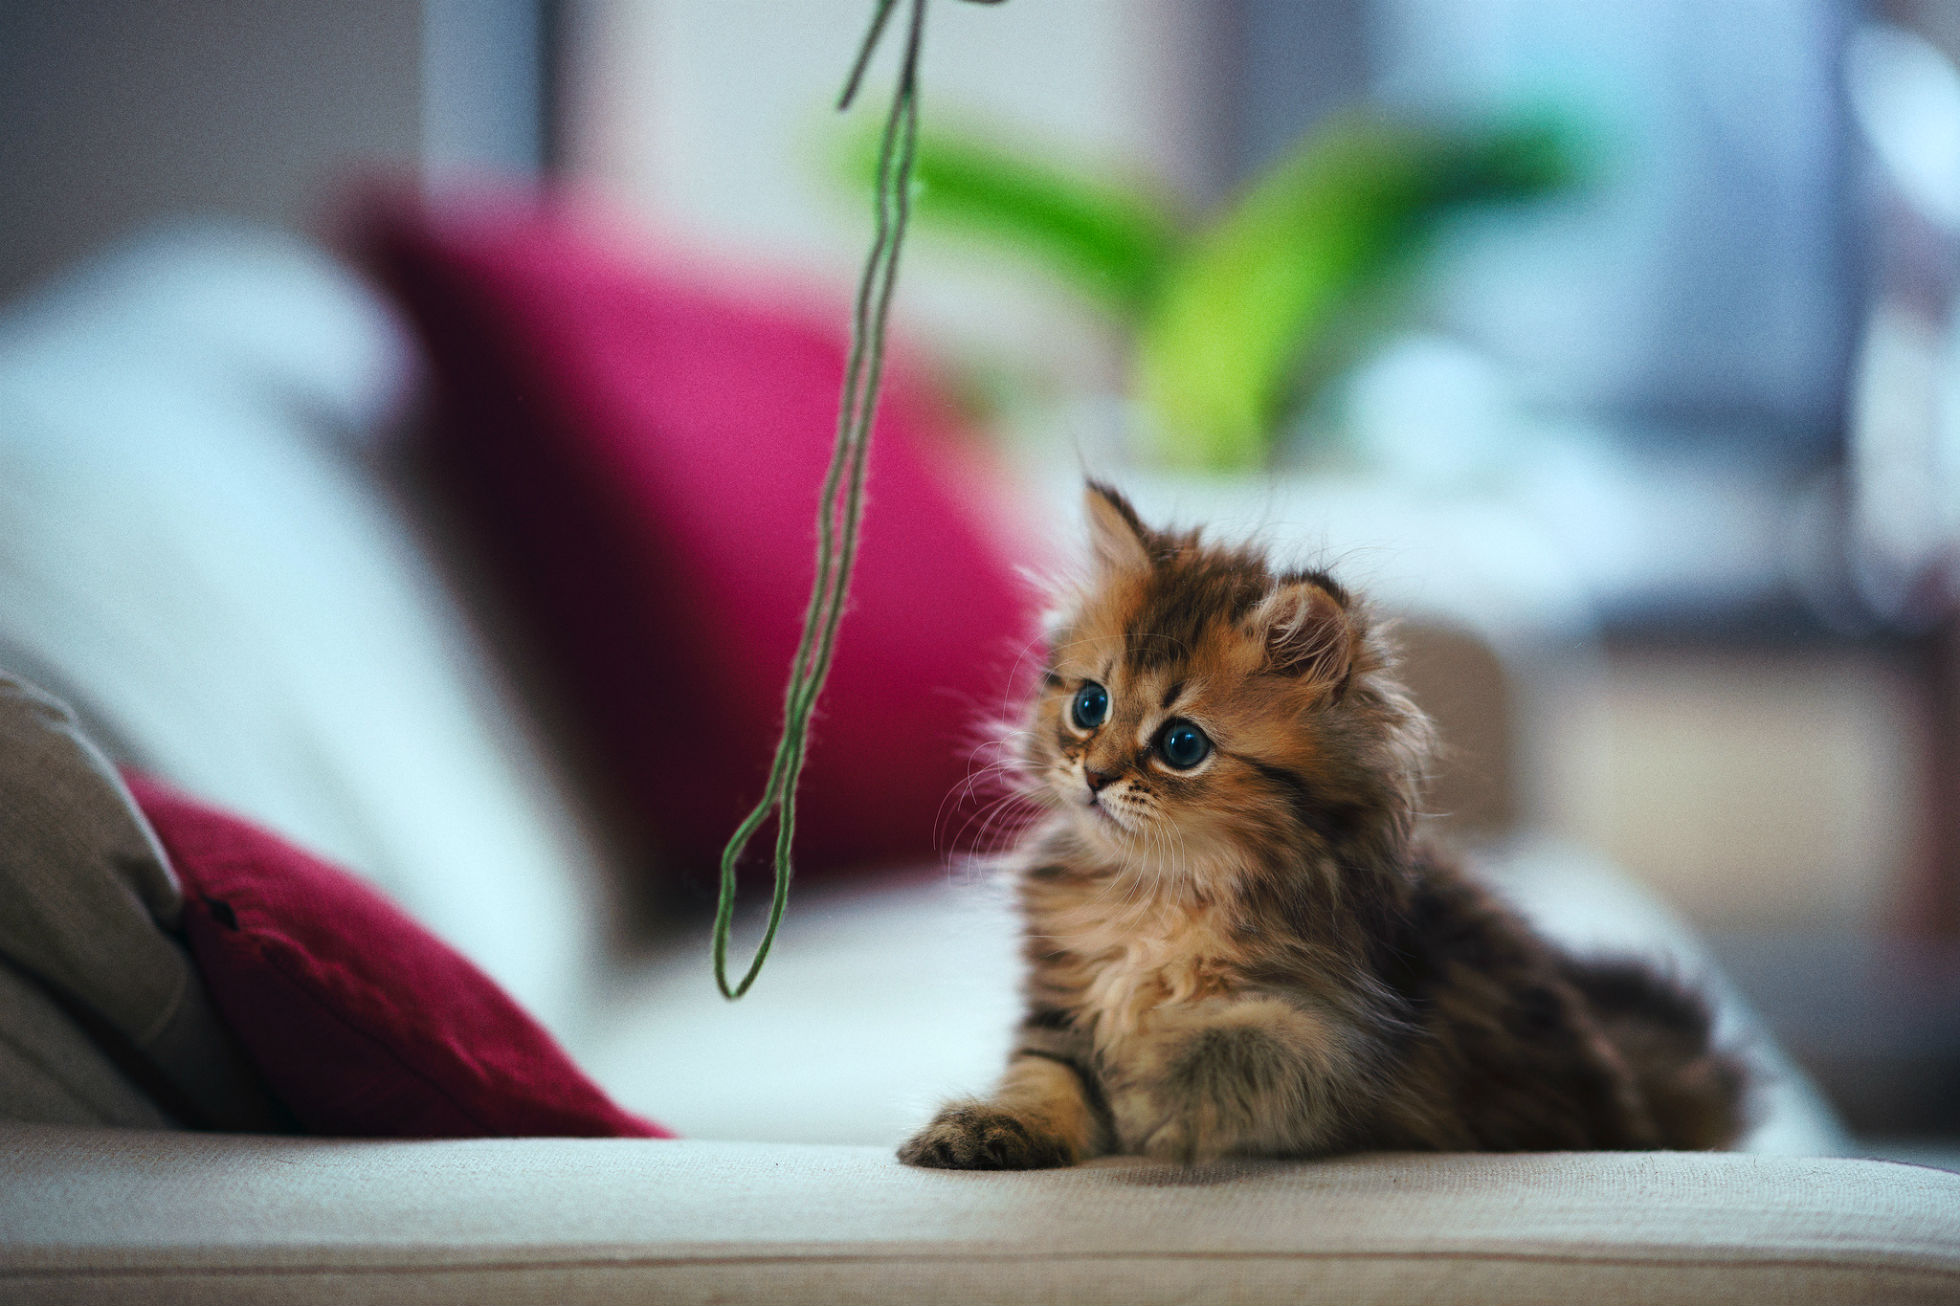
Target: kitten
x=1236, y=942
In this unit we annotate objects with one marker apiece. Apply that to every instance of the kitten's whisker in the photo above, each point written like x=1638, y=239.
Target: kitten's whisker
x=973, y=813
x=1006, y=821
x=991, y=819
x=961, y=794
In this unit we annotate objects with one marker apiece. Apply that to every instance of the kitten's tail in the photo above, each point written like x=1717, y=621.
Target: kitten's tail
x=1697, y=1092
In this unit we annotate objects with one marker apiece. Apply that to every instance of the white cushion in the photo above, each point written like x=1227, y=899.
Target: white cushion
x=195, y=557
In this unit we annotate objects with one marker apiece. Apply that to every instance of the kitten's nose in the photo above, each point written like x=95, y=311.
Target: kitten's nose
x=1098, y=780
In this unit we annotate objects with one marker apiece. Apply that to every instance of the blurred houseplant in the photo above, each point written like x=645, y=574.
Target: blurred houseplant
x=1235, y=319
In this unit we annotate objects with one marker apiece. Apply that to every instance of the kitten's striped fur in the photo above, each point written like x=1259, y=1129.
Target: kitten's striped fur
x=1259, y=955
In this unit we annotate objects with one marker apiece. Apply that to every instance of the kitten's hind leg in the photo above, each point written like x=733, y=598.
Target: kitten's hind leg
x=1257, y=1077
x=1041, y=1116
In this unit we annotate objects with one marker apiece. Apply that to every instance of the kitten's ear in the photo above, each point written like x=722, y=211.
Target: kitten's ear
x=1118, y=539
x=1308, y=633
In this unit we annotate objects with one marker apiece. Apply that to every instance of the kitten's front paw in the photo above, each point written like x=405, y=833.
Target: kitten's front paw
x=975, y=1136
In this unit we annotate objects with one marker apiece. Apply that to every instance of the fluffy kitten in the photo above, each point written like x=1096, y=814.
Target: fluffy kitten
x=1236, y=942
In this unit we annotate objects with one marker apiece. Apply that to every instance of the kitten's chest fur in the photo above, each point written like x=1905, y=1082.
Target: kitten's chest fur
x=1119, y=955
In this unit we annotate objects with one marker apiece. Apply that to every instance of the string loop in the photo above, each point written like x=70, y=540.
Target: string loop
x=840, y=508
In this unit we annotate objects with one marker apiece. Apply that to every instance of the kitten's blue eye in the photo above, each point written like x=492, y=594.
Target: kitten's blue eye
x=1183, y=745
x=1091, y=706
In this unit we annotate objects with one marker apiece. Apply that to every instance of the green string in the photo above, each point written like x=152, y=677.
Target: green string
x=841, y=504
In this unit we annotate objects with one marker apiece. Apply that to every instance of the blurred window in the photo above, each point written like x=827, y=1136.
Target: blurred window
x=1702, y=289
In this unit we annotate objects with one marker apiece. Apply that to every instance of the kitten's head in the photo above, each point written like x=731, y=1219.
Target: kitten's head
x=1202, y=714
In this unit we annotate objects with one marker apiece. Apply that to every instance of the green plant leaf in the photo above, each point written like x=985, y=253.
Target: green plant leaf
x=1111, y=240
x=1332, y=223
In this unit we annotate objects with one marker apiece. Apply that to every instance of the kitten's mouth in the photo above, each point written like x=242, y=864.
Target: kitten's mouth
x=1103, y=813
x=1078, y=797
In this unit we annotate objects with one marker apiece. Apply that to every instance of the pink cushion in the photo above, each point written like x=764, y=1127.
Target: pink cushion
x=640, y=459
x=361, y=1021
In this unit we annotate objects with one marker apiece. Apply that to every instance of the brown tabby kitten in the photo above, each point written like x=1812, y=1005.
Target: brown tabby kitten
x=1237, y=945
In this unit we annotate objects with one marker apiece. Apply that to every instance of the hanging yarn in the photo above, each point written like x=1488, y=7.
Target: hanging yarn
x=841, y=505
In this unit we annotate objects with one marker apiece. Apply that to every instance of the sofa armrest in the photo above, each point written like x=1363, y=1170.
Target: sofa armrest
x=98, y=1215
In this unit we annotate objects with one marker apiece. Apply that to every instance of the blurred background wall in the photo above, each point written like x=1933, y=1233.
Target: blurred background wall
x=121, y=114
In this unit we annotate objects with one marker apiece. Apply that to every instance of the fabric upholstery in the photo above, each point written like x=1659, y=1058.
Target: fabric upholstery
x=97, y=1216
x=361, y=1021
x=98, y=988
x=640, y=457
x=51, y=1071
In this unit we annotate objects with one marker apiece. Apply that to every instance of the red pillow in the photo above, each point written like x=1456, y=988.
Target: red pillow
x=362, y=1022
x=641, y=461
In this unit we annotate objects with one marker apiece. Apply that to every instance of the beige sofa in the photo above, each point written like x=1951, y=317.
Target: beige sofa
x=95, y=1216
x=200, y=555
